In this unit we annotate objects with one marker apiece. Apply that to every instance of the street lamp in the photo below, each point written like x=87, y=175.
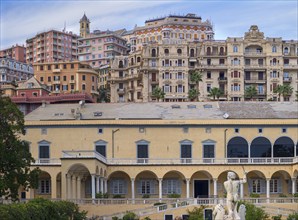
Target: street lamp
x=113, y=132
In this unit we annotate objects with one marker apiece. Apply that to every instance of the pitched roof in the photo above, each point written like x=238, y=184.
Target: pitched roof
x=167, y=111
x=31, y=83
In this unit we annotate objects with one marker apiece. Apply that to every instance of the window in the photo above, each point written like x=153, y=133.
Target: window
x=209, y=87
x=171, y=186
x=236, y=130
x=141, y=130
x=83, y=77
x=44, y=151
x=100, y=131
x=72, y=66
x=185, y=151
x=118, y=186
x=142, y=151
x=185, y=129
x=274, y=49
x=260, y=130
x=43, y=131
x=49, y=67
x=208, y=151
x=49, y=79
x=44, y=186
x=256, y=186
x=83, y=87
x=64, y=66
x=146, y=186
x=284, y=130
x=64, y=78
x=64, y=87
x=41, y=67
x=275, y=186
x=207, y=130
x=41, y=79
x=235, y=49
x=208, y=75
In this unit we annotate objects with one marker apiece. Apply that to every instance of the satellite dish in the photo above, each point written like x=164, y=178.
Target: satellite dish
x=226, y=115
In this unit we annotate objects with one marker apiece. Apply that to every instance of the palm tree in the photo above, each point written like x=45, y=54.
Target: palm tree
x=193, y=94
x=250, y=92
x=158, y=93
x=196, y=77
x=284, y=90
x=215, y=92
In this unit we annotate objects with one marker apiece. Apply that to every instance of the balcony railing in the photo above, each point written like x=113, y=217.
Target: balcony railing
x=83, y=154
x=47, y=161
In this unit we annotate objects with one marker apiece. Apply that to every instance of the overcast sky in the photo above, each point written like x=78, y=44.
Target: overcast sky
x=22, y=19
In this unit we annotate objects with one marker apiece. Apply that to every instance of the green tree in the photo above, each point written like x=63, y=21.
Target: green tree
x=215, y=93
x=196, y=77
x=253, y=212
x=250, y=92
x=293, y=216
x=193, y=94
x=283, y=90
x=103, y=95
x=197, y=213
x=15, y=157
x=158, y=93
x=296, y=95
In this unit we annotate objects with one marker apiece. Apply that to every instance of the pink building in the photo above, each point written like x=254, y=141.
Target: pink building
x=15, y=52
x=51, y=46
x=98, y=47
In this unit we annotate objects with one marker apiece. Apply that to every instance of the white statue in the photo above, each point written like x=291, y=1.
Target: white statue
x=232, y=188
x=242, y=212
x=218, y=212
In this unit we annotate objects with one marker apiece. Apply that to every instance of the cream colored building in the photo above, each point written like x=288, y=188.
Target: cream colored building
x=231, y=65
x=155, y=150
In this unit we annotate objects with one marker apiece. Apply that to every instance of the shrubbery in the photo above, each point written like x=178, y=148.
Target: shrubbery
x=293, y=216
x=253, y=212
x=42, y=209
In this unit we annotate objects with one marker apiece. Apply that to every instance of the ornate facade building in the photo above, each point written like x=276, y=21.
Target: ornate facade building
x=233, y=66
x=51, y=46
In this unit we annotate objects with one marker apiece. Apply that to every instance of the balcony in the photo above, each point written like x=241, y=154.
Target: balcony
x=56, y=71
x=254, y=53
x=47, y=161
x=154, y=82
x=255, y=80
x=94, y=92
x=222, y=79
x=56, y=82
x=121, y=91
x=290, y=67
x=84, y=154
x=287, y=79
x=130, y=89
x=72, y=81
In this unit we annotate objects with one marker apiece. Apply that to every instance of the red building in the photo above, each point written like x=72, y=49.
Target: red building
x=17, y=53
x=31, y=94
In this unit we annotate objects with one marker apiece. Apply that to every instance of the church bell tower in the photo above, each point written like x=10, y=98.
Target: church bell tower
x=84, y=26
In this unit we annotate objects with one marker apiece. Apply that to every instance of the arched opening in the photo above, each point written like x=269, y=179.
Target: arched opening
x=153, y=53
x=131, y=61
x=138, y=59
x=256, y=181
x=221, y=51
x=58, y=186
x=120, y=64
x=208, y=50
x=179, y=51
x=167, y=52
x=260, y=147
x=237, y=147
x=44, y=189
x=283, y=147
x=78, y=178
x=200, y=185
x=280, y=183
x=173, y=182
x=146, y=185
x=192, y=52
x=286, y=50
x=119, y=185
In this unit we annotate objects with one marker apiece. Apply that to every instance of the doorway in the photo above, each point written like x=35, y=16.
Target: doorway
x=201, y=188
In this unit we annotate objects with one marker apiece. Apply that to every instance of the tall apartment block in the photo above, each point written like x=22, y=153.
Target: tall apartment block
x=14, y=71
x=98, y=47
x=16, y=52
x=67, y=77
x=51, y=46
x=232, y=65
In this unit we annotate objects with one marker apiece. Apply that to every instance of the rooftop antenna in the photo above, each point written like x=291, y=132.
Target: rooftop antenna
x=64, y=29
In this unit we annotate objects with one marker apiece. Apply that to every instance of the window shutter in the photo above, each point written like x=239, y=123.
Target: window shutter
x=263, y=186
x=112, y=186
x=125, y=186
x=250, y=189
x=289, y=186
x=178, y=186
x=279, y=186
x=165, y=187
x=139, y=187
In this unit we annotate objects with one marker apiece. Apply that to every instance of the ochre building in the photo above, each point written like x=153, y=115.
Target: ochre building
x=154, y=150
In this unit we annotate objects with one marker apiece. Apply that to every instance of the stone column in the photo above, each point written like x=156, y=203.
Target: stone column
x=53, y=188
x=97, y=184
x=78, y=187
x=106, y=185
x=73, y=187
x=68, y=184
x=294, y=185
x=241, y=191
x=215, y=187
x=268, y=189
x=93, y=186
x=133, y=189
x=101, y=184
x=160, y=188
x=187, y=188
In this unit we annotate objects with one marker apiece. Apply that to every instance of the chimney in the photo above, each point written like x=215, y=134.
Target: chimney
x=43, y=103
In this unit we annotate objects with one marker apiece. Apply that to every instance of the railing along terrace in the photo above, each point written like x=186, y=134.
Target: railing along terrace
x=170, y=161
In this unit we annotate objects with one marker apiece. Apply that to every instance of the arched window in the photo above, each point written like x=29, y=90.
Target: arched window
x=120, y=64
x=179, y=51
x=166, y=51
x=131, y=61
x=286, y=50
x=283, y=147
x=274, y=49
x=153, y=53
x=138, y=59
x=235, y=49
x=221, y=51
x=192, y=52
x=260, y=147
x=208, y=51
x=237, y=147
